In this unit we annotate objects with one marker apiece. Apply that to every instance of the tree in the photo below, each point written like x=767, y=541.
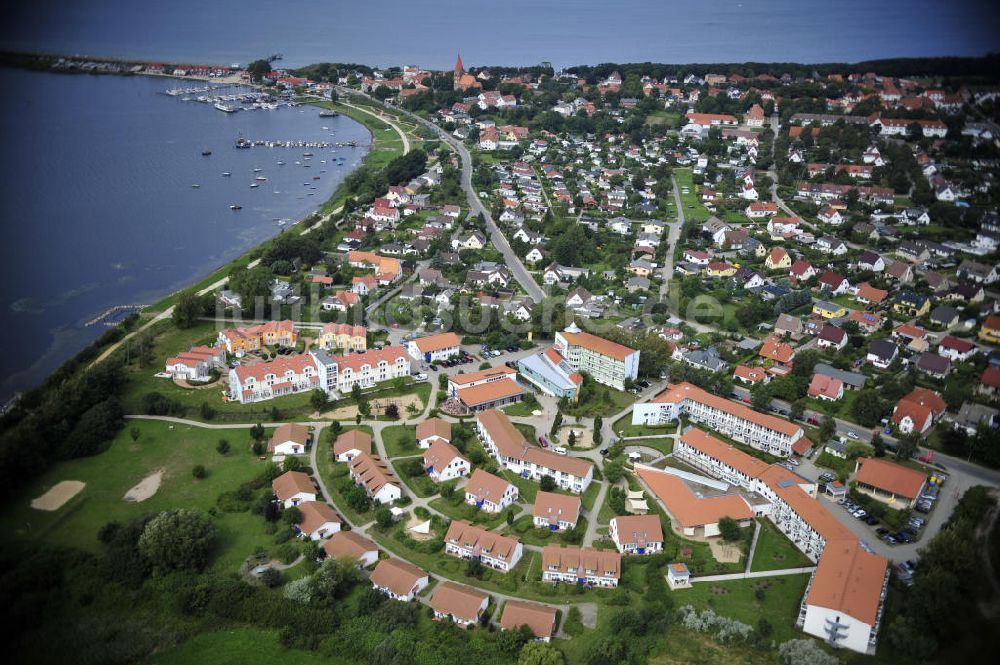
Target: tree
x=392, y=411
x=257, y=432
x=760, y=396
x=271, y=578
x=827, y=428
x=547, y=484
x=540, y=653
x=318, y=399
x=867, y=408
x=292, y=515
x=178, y=539
x=614, y=471
x=474, y=569
x=222, y=447
x=510, y=517
x=187, y=309
x=907, y=445
x=383, y=517
x=572, y=438
x=135, y=433
x=198, y=471
x=598, y=425
x=729, y=529
x=798, y=409
x=556, y=423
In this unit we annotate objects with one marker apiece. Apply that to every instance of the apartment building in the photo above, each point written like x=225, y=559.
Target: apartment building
x=845, y=598
x=764, y=432
x=605, y=361
x=341, y=373
x=343, y=337
x=285, y=375
x=506, y=443
x=467, y=541
x=434, y=347
x=581, y=565
x=197, y=363
x=239, y=341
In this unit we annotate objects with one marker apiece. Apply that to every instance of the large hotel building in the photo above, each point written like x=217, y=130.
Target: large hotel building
x=845, y=597
x=605, y=361
x=768, y=433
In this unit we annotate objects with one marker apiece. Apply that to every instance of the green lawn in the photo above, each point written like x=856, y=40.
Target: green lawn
x=590, y=495
x=664, y=444
x=463, y=511
x=523, y=529
x=603, y=401
x=420, y=485
x=520, y=409
x=528, y=431
x=238, y=646
x=738, y=599
x=400, y=441
x=775, y=551
x=172, y=449
x=623, y=427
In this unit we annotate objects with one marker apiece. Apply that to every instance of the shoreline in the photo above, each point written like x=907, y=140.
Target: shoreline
x=105, y=344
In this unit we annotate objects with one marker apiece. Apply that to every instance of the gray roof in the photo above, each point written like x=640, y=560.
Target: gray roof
x=849, y=378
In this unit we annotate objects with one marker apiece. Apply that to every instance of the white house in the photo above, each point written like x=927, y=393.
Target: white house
x=488, y=492
x=399, y=580
x=289, y=439
x=293, y=488
x=637, y=534
x=467, y=541
x=434, y=347
x=354, y=545
x=319, y=520
x=443, y=462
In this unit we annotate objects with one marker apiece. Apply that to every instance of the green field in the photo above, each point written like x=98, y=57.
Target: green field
x=623, y=427
x=738, y=599
x=172, y=449
x=239, y=646
x=400, y=441
x=775, y=551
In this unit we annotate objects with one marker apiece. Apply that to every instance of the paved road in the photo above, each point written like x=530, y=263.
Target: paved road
x=511, y=260
x=673, y=235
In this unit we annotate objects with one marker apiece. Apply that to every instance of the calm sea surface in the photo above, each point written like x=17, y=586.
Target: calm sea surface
x=96, y=178
x=565, y=32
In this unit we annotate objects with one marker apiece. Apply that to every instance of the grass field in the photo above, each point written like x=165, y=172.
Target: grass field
x=604, y=402
x=523, y=528
x=775, y=551
x=520, y=409
x=238, y=646
x=624, y=427
x=174, y=449
x=738, y=599
x=400, y=440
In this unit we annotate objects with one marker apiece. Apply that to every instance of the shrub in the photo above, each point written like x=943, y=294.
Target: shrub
x=199, y=471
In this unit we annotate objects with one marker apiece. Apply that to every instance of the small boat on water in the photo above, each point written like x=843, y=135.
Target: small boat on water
x=261, y=178
x=281, y=163
x=315, y=177
x=206, y=152
x=328, y=114
x=307, y=154
x=257, y=170
x=195, y=186
x=226, y=174
x=236, y=206
x=254, y=186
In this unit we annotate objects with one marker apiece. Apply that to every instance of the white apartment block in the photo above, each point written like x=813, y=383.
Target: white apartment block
x=758, y=430
x=496, y=551
x=576, y=565
x=605, y=361
x=506, y=443
x=339, y=374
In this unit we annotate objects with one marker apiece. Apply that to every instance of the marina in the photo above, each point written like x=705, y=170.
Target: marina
x=243, y=143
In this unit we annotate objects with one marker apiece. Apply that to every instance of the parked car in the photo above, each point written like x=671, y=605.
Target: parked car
x=421, y=377
x=881, y=532
x=604, y=452
x=871, y=520
x=891, y=540
x=560, y=450
x=543, y=442
x=793, y=461
x=826, y=477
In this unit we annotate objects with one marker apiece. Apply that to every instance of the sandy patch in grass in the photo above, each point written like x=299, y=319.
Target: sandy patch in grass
x=414, y=521
x=58, y=494
x=724, y=552
x=146, y=488
x=349, y=412
x=584, y=436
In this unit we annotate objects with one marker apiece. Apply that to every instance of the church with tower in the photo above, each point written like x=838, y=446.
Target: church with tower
x=464, y=81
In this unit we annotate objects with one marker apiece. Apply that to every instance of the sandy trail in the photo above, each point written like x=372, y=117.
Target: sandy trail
x=58, y=495
x=146, y=487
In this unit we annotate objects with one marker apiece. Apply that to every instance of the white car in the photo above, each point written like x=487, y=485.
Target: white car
x=560, y=450
x=420, y=377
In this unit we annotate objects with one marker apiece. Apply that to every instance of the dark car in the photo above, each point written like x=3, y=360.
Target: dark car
x=434, y=368
x=512, y=349
x=903, y=537
x=871, y=521
x=881, y=532
x=604, y=451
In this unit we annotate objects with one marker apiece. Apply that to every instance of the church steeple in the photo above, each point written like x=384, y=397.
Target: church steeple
x=459, y=69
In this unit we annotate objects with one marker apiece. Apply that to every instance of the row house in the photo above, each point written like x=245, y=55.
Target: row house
x=285, y=375
x=196, y=364
x=489, y=493
x=253, y=338
x=470, y=542
x=366, y=369
x=376, y=477
x=581, y=565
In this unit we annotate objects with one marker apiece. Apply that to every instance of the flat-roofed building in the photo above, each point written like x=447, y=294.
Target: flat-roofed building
x=506, y=443
x=552, y=374
x=604, y=361
x=581, y=565
x=765, y=432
